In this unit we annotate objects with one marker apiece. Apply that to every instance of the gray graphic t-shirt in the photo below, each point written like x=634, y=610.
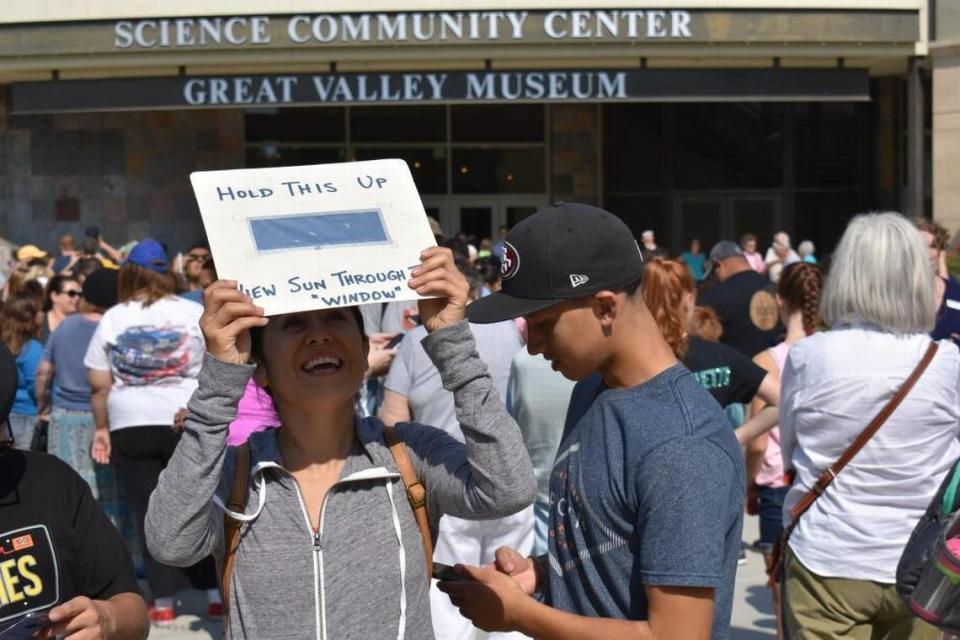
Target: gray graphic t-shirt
x=647, y=490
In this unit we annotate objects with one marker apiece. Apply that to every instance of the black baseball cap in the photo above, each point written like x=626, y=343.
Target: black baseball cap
x=100, y=288
x=563, y=252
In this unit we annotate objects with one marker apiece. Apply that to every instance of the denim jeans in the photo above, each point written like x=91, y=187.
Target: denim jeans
x=22, y=426
x=771, y=515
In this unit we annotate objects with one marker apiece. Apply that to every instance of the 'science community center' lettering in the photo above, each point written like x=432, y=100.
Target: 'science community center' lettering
x=403, y=27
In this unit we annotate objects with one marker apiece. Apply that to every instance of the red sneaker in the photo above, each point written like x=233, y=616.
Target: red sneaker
x=161, y=617
x=215, y=610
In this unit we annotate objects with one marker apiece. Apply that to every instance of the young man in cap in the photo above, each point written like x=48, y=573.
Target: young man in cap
x=648, y=485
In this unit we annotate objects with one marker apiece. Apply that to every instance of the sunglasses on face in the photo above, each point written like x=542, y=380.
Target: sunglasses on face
x=73, y=293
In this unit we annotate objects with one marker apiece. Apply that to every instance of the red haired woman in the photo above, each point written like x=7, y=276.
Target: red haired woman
x=669, y=292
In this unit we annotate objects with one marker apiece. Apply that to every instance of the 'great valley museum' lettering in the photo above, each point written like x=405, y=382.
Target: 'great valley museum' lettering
x=405, y=87
x=436, y=87
x=444, y=26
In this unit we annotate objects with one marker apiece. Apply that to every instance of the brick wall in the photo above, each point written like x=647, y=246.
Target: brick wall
x=129, y=173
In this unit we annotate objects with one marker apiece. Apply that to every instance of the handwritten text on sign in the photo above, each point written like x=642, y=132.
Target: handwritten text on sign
x=320, y=236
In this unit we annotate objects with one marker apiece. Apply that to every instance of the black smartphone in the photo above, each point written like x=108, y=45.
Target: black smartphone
x=395, y=340
x=26, y=627
x=446, y=573
x=93, y=231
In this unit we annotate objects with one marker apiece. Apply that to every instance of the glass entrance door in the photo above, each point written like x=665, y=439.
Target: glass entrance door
x=476, y=219
x=481, y=216
x=715, y=217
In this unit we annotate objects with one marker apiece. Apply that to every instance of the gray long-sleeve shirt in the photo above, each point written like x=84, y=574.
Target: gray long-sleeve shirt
x=362, y=575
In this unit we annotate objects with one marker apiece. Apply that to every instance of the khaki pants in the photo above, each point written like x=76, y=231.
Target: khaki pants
x=827, y=608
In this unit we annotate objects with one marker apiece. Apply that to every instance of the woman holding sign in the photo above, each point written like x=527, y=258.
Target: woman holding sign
x=329, y=545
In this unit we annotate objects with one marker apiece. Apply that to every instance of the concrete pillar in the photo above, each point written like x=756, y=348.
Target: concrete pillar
x=914, y=195
x=946, y=135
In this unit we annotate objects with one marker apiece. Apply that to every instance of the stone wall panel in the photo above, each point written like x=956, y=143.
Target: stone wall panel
x=127, y=172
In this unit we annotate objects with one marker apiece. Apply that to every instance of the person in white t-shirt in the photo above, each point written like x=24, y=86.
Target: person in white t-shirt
x=143, y=362
x=842, y=557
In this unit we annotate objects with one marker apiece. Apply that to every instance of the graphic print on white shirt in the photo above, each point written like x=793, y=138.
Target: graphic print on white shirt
x=151, y=355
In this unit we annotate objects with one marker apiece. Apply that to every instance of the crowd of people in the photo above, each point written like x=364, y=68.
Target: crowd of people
x=572, y=418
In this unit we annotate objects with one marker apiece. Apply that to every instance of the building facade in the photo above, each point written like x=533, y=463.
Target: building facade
x=691, y=118
x=945, y=64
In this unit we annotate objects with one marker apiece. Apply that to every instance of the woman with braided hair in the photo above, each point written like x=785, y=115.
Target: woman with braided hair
x=798, y=297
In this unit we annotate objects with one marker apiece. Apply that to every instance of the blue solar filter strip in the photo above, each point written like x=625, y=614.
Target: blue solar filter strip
x=318, y=230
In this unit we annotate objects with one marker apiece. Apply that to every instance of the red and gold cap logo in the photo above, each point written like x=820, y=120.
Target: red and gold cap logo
x=511, y=261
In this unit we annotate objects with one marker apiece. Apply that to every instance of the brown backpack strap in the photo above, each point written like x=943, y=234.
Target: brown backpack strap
x=231, y=528
x=416, y=492
x=831, y=473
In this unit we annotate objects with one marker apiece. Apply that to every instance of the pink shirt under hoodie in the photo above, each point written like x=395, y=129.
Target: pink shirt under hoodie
x=254, y=413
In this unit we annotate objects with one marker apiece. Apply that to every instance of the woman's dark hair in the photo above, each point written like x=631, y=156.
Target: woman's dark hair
x=474, y=280
x=20, y=283
x=18, y=321
x=800, y=286
x=55, y=285
x=488, y=268
x=145, y=285
x=458, y=246
x=90, y=247
x=86, y=266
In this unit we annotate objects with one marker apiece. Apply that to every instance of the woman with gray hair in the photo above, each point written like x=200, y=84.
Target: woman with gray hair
x=842, y=556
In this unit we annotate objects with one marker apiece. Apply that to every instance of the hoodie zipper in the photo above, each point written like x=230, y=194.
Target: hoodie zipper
x=316, y=536
x=317, y=555
x=318, y=548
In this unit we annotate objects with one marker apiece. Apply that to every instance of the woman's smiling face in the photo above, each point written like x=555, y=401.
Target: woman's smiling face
x=312, y=357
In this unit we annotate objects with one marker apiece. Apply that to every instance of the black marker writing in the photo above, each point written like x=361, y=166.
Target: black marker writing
x=351, y=279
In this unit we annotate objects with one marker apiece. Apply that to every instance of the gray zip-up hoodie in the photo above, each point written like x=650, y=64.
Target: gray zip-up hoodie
x=362, y=575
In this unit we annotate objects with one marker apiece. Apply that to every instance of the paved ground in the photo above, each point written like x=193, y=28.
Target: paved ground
x=752, y=610
x=752, y=607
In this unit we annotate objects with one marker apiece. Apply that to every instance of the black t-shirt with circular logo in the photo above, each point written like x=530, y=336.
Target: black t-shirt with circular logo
x=747, y=309
x=55, y=541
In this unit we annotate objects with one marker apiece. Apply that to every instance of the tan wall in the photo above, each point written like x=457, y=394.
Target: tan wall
x=948, y=20
x=946, y=137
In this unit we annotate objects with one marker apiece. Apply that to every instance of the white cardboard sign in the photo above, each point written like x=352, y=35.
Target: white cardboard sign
x=317, y=236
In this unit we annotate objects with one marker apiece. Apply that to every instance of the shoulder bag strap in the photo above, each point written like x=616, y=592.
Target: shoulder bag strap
x=231, y=528
x=416, y=492
x=830, y=474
